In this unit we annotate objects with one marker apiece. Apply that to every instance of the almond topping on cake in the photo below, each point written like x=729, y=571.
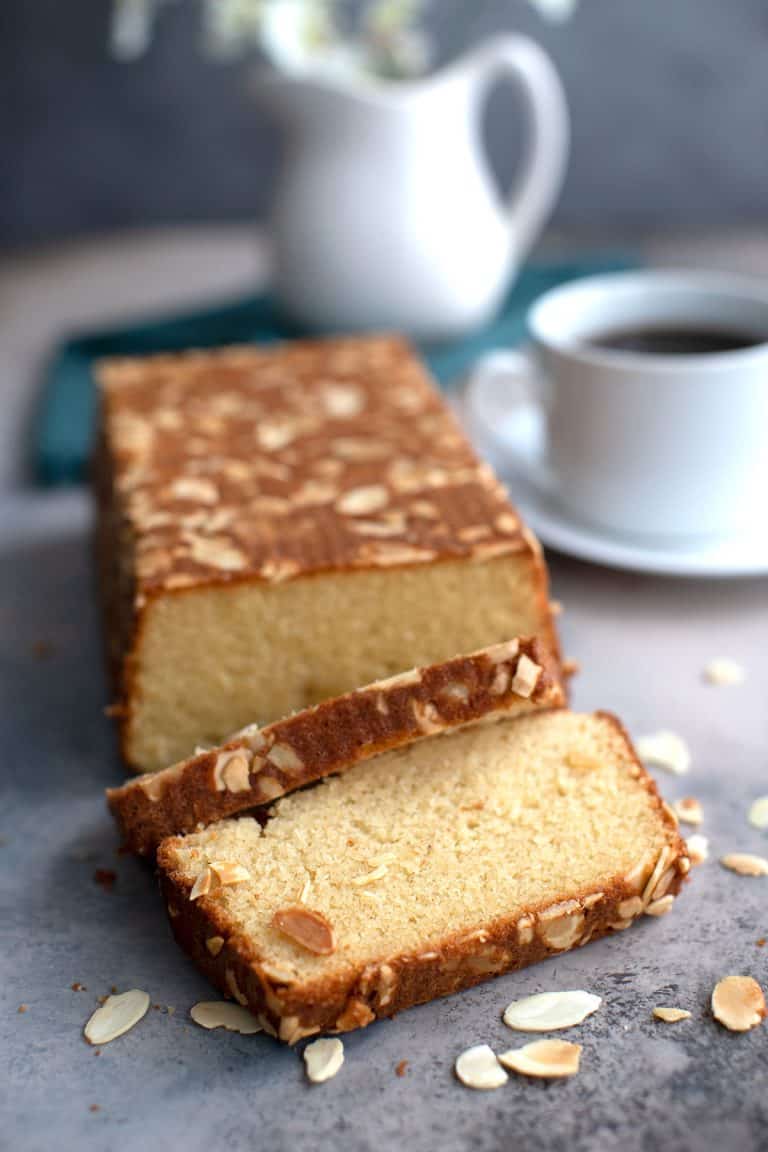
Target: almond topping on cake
x=306, y=927
x=671, y=1015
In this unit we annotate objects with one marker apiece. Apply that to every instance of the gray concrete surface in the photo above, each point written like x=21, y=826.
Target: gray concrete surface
x=690, y=1087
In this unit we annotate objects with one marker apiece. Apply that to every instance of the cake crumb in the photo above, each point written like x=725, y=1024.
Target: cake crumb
x=22, y=1008
x=43, y=649
x=400, y=1069
x=94, y=1108
x=78, y=987
x=106, y=878
x=761, y=942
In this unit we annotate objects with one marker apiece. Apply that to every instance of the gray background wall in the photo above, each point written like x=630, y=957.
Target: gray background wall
x=669, y=101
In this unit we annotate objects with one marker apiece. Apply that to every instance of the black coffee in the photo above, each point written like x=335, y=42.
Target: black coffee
x=673, y=341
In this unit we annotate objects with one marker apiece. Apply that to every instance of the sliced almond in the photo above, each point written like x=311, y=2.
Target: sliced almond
x=284, y=757
x=660, y=907
x=550, y=1059
x=323, y=1059
x=526, y=676
x=117, y=1015
x=745, y=864
x=214, y=944
x=688, y=810
x=222, y=1014
x=758, y=813
x=363, y=501
x=306, y=927
x=671, y=1015
x=723, y=671
x=698, y=848
x=202, y=884
x=738, y=1003
x=548, y=1011
x=227, y=873
x=665, y=750
x=478, y=1068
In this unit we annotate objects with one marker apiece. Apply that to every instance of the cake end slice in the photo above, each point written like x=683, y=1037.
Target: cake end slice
x=446, y=862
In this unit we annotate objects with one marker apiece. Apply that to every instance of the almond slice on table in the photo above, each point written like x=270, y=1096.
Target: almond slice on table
x=478, y=1068
x=665, y=750
x=117, y=1015
x=688, y=810
x=306, y=927
x=758, y=813
x=671, y=1015
x=698, y=848
x=745, y=864
x=549, y=1011
x=222, y=1014
x=323, y=1059
x=738, y=1003
x=723, y=671
x=549, y=1059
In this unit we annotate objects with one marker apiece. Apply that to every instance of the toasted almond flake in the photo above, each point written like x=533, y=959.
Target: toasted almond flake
x=660, y=907
x=323, y=1059
x=758, y=813
x=671, y=1015
x=214, y=944
x=117, y=1015
x=227, y=873
x=231, y=772
x=370, y=877
x=501, y=653
x=738, y=1003
x=306, y=927
x=549, y=1011
x=724, y=672
x=363, y=501
x=478, y=1067
x=551, y=1059
x=222, y=1014
x=745, y=864
x=630, y=908
x=202, y=884
x=659, y=869
x=698, y=848
x=688, y=810
x=665, y=750
x=285, y=758
x=526, y=676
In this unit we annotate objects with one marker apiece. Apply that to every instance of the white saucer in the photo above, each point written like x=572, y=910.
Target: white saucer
x=515, y=448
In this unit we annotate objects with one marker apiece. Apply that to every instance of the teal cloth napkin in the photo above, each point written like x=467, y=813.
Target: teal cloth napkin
x=65, y=427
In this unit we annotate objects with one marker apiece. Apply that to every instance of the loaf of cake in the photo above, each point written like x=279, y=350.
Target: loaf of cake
x=424, y=871
x=278, y=526
x=259, y=764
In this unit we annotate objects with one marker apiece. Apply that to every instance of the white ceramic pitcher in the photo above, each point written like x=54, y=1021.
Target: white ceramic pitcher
x=386, y=214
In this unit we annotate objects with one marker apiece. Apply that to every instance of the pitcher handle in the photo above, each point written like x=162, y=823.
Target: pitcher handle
x=540, y=181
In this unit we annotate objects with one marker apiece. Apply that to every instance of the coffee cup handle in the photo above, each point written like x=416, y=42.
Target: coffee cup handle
x=504, y=404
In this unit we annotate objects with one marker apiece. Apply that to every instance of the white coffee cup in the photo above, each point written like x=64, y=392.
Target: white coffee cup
x=669, y=445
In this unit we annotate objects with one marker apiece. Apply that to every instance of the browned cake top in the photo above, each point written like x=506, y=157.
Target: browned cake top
x=275, y=462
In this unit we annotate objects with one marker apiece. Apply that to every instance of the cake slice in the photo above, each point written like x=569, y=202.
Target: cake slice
x=278, y=526
x=440, y=864
x=257, y=765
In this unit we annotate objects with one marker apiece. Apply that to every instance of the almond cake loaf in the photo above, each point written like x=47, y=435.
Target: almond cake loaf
x=280, y=525
x=259, y=764
x=424, y=871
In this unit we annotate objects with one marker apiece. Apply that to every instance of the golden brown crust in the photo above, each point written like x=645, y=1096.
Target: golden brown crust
x=355, y=997
x=259, y=465
x=258, y=766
